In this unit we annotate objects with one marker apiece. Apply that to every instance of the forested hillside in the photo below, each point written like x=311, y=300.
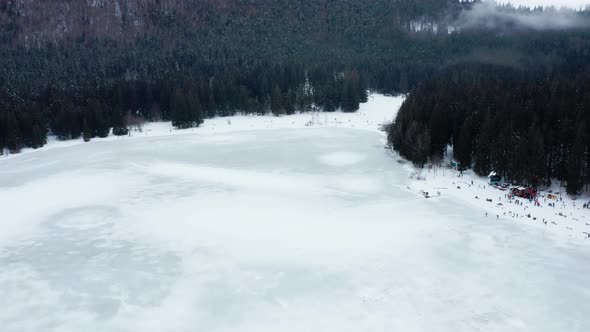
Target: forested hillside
x=529, y=125
x=79, y=68
x=83, y=68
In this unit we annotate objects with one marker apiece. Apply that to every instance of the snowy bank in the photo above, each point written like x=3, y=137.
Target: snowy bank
x=377, y=111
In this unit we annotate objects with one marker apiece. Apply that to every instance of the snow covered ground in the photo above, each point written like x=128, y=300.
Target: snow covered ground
x=562, y=217
x=237, y=226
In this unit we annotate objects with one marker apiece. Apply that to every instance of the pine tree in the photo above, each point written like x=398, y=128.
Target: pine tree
x=195, y=110
x=439, y=131
x=39, y=137
x=119, y=125
x=86, y=131
x=2, y=130
x=180, y=112
x=350, y=97
x=500, y=154
x=38, y=131
x=118, y=122
x=290, y=102
x=101, y=121
x=537, y=174
x=363, y=88
x=404, y=86
x=519, y=157
x=62, y=123
x=276, y=101
x=13, y=136
x=211, y=106
x=483, y=150
x=575, y=161
x=463, y=145
x=422, y=146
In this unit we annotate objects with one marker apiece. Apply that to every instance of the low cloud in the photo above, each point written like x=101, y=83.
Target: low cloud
x=490, y=15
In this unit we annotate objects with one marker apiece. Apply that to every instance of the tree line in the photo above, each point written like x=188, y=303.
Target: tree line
x=184, y=100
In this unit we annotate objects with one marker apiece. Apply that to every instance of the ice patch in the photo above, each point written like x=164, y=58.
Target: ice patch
x=340, y=159
x=237, y=179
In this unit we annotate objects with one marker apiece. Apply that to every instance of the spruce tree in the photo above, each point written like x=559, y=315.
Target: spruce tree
x=276, y=101
x=87, y=133
x=13, y=136
x=483, y=150
x=39, y=137
x=118, y=121
x=363, y=88
x=463, y=145
x=349, y=97
x=195, y=110
x=211, y=105
x=537, y=174
x=2, y=130
x=575, y=161
x=290, y=102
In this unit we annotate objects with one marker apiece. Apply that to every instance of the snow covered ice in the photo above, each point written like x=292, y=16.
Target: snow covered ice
x=267, y=224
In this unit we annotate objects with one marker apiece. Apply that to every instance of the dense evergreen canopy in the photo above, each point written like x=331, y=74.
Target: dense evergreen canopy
x=529, y=125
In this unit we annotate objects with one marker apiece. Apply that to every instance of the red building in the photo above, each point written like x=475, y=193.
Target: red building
x=528, y=193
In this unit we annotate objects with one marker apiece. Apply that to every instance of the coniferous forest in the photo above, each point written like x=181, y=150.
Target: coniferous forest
x=528, y=126
x=506, y=97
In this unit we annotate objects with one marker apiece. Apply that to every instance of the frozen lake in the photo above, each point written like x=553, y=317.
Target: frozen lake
x=305, y=229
